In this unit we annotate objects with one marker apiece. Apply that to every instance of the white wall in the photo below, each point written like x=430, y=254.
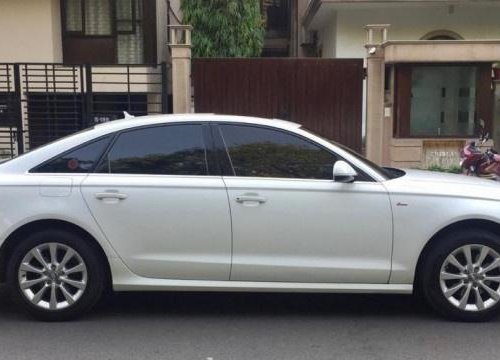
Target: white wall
x=30, y=30
x=327, y=39
x=409, y=23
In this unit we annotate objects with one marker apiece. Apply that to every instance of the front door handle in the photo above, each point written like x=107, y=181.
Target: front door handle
x=250, y=198
x=111, y=195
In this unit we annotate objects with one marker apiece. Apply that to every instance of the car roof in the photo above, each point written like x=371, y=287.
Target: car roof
x=131, y=121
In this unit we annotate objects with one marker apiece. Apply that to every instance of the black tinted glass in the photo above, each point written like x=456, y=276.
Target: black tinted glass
x=80, y=160
x=270, y=153
x=166, y=150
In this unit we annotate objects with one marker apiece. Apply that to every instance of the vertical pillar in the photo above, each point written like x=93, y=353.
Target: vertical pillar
x=180, y=45
x=375, y=63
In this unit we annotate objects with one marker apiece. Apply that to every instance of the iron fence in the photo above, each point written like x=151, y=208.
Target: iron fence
x=41, y=102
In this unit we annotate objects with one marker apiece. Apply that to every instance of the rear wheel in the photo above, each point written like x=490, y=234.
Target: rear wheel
x=461, y=275
x=55, y=275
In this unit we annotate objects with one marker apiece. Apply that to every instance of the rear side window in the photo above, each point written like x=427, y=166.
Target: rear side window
x=161, y=150
x=80, y=160
x=263, y=152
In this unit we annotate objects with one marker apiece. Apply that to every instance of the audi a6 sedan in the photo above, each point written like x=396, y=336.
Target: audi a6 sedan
x=225, y=203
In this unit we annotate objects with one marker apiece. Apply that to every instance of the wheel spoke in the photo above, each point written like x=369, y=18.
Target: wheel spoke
x=468, y=256
x=453, y=260
x=449, y=276
x=67, y=257
x=494, y=295
x=492, y=278
x=76, y=269
x=38, y=296
x=39, y=257
x=479, y=299
x=465, y=298
x=482, y=255
x=69, y=298
x=451, y=291
x=26, y=284
x=53, y=297
x=77, y=284
x=53, y=253
x=494, y=264
x=30, y=268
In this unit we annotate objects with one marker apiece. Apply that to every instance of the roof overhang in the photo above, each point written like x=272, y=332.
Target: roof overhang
x=444, y=51
x=320, y=11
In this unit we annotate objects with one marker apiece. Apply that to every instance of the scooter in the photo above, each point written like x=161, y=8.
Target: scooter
x=472, y=161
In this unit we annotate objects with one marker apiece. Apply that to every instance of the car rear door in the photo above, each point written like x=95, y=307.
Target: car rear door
x=160, y=205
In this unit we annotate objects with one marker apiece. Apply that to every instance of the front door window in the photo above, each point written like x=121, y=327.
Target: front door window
x=443, y=101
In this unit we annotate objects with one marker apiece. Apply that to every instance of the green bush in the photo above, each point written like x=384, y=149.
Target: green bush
x=225, y=28
x=453, y=170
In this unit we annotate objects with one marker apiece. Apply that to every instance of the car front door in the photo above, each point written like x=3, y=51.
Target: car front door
x=154, y=198
x=291, y=222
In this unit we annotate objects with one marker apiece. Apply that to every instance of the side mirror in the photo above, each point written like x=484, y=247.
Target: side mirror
x=343, y=172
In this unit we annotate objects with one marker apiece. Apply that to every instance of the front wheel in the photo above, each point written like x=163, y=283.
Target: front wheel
x=461, y=275
x=55, y=275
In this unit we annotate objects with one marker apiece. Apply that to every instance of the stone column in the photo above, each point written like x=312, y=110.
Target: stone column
x=180, y=45
x=375, y=64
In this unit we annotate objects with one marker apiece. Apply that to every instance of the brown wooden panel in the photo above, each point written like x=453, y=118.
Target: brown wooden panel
x=402, y=106
x=485, y=97
x=149, y=23
x=324, y=95
x=89, y=50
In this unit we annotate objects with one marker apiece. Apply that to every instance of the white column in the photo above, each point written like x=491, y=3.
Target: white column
x=180, y=45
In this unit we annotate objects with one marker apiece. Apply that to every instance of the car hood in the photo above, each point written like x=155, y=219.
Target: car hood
x=444, y=184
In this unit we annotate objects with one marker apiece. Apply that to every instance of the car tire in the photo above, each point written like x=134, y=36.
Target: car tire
x=458, y=291
x=69, y=286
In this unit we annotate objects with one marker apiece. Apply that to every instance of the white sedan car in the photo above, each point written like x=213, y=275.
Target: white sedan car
x=225, y=203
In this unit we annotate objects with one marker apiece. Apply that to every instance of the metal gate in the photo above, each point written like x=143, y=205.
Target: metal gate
x=40, y=103
x=324, y=95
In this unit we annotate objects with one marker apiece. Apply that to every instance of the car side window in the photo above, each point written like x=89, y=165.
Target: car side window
x=159, y=150
x=262, y=152
x=80, y=160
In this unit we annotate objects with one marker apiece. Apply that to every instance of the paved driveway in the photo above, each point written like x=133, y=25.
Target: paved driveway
x=248, y=326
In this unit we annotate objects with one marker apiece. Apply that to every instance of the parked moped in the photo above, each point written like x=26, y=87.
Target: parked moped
x=473, y=162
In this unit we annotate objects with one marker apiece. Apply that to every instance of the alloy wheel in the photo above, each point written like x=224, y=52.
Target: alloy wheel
x=470, y=277
x=52, y=276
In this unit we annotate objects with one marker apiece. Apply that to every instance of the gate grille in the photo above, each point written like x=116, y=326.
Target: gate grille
x=42, y=102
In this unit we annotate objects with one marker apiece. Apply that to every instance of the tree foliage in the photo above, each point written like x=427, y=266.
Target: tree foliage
x=225, y=28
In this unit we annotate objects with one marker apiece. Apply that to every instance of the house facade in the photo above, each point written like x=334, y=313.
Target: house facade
x=68, y=64
x=436, y=59
x=86, y=31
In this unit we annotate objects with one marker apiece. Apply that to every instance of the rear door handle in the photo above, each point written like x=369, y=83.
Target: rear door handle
x=110, y=195
x=250, y=198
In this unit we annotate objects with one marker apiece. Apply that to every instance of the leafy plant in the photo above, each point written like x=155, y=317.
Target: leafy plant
x=452, y=170
x=225, y=28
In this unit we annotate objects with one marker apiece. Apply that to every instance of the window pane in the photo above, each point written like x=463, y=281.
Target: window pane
x=443, y=100
x=73, y=15
x=167, y=150
x=130, y=46
x=80, y=160
x=98, y=17
x=260, y=152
